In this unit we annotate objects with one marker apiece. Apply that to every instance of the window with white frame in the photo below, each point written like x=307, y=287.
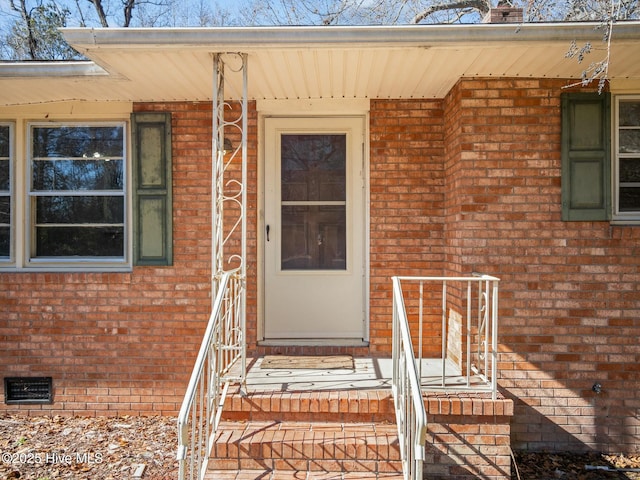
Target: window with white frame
x=77, y=193
x=627, y=158
x=6, y=188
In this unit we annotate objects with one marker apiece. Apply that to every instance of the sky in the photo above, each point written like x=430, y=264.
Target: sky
x=183, y=9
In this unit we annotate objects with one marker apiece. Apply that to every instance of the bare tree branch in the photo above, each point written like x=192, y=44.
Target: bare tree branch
x=598, y=70
x=28, y=21
x=128, y=11
x=401, y=7
x=83, y=23
x=481, y=6
x=100, y=11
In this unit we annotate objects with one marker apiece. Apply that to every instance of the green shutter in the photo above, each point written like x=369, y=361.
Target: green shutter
x=152, y=199
x=586, y=162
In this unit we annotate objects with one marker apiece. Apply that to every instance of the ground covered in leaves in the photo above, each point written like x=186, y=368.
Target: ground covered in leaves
x=573, y=466
x=101, y=448
x=108, y=448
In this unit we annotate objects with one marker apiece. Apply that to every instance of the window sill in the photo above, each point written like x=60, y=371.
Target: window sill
x=66, y=267
x=625, y=222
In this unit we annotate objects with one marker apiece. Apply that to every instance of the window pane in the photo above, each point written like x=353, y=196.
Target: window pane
x=5, y=210
x=313, y=167
x=313, y=238
x=4, y=157
x=629, y=199
x=78, y=210
x=4, y=141
x=629, y=170
x=630, y=141
x=5, y=192
x=4, y=242
x=80, y=241
x=78, y=141
x=79, y=160
x=630, y=113
x=82, y=174
x=4, y=175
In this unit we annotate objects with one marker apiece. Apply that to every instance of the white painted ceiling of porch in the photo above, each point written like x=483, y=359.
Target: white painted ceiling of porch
x=160, y=71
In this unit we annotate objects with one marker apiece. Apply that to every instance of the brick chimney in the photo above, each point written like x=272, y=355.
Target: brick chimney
x=504, y=13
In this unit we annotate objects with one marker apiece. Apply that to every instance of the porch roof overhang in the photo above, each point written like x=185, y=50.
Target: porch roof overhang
x=416, y=61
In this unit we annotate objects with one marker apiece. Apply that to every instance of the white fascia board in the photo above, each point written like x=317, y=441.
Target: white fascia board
x=59, y=69
x=332, y=36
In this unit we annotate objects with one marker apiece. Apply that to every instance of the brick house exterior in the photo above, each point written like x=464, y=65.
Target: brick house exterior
x=470, y=182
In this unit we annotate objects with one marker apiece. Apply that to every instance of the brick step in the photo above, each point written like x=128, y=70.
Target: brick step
x=319, y=447
x=293, y=475
x=345, y=406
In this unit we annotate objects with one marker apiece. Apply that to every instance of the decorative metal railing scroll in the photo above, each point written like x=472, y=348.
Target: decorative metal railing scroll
x=229, y=180
x=222, y=356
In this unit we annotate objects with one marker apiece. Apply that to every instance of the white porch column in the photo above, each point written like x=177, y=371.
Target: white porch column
x=227, y=188
x=228, y=185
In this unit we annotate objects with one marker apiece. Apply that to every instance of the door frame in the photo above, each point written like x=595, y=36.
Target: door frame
x=311, y=109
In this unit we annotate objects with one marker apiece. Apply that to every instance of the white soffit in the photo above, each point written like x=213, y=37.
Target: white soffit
x=418, y=61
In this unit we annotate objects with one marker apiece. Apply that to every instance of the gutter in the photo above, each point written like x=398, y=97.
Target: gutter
x=56, y=69
x=345, y=36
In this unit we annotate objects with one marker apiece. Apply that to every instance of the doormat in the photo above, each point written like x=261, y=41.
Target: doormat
x=332, y=362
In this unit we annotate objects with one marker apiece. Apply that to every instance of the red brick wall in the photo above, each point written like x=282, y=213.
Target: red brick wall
x=468, y=437
x=569, y=294
x=124, y=342
x=407, y=202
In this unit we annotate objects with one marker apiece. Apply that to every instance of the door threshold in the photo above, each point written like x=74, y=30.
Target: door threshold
x=314, y=342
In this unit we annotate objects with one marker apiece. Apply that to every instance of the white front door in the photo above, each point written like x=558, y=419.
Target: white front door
x=314, y=239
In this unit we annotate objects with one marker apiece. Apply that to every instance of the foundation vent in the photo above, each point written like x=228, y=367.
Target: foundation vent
x=28, y=390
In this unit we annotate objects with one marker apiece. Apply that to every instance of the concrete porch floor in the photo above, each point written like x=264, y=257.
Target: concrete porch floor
x=368, y=373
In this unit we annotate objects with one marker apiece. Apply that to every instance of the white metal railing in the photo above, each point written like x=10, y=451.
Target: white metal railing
x=468, y=343
x=410, y=412
x=221, y=350
x=457, y=324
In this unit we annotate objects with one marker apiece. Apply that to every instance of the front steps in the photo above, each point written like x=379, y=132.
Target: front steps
x=338, y=425
x=268, y=475
x=324, y=435
x=318, y=448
